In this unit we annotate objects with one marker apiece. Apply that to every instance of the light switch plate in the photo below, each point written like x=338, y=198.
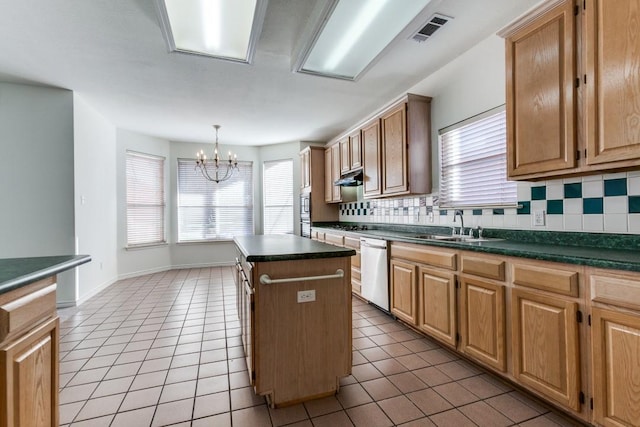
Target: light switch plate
x=539, y=218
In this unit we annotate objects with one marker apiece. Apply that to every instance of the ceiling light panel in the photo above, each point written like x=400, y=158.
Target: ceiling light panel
x=354, y=33
x=226, y=29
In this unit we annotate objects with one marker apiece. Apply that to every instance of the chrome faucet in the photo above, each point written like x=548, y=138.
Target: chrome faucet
x=457, y=213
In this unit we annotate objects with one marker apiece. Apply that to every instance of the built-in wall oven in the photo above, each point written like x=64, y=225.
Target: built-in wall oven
x=305, y=215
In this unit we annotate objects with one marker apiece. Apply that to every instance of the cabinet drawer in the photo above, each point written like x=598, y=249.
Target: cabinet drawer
x=424, y=255
x=334, y=239
x=355, y=274
x=351, y=242
x=563, y=282
x=27, y=311
x=621, y=290
x=355, y=260
x=489, y=268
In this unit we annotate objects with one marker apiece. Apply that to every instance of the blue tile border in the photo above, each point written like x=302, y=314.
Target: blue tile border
x=555, y=207
x=593, y=205
x=615, y=187
x=573, y=191
x=634, y=204
x=539, y=192
x=525, y=209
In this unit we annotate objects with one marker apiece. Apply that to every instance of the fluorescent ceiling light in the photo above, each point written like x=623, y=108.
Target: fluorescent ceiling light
x=226, y=29
x=354, y=33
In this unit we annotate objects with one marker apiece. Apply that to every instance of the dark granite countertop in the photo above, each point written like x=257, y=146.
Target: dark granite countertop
x=17, y=272
x=287, y=247
x=612, y=251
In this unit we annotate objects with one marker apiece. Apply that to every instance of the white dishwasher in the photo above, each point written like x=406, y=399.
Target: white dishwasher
x=374, y=272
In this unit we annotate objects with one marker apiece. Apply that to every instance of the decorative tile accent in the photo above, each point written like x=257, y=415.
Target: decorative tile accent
x=525, y=209
x=615, y=187
x=498, y=211
x=539, y=192
x=634, y=204
x=592, y=206
x=477, y=212
x=555, y=207
x=573, y=191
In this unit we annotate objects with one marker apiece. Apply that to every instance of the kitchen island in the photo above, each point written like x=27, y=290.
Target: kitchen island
x=29, y=339
x=294, y=305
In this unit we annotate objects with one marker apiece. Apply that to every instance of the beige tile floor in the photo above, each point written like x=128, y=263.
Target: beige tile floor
x=164, y=349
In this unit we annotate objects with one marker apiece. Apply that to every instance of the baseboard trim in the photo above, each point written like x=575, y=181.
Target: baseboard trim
x=93, y=292
x=174, y=267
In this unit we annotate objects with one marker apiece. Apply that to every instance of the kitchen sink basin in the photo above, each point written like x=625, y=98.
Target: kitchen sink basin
x=463, y=239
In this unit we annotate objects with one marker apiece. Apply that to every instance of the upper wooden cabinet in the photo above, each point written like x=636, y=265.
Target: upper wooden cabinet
x=371, y=158
x=355, y=150
x=332, y=193
x=345, y=155
x=393, y=148
x=573, y=108
x=612, y=72
x=305, y=169
x=312, y=170
x=541, y=106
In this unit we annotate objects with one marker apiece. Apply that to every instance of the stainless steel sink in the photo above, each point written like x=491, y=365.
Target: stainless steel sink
x=462, y=239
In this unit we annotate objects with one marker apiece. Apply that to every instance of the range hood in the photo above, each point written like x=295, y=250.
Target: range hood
x=350, y=179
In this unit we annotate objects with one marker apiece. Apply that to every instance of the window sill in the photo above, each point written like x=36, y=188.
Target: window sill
x=203, y=242
x=145, y=246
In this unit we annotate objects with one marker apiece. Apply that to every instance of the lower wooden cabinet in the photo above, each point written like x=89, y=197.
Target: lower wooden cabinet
x=482, y=322
x=437, y=304
x=615, y=338
x=403, y=290
x=29, y=381
x=545, y=347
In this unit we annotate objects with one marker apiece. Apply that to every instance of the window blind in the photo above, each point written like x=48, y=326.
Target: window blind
x=145, y=199
x=473, y=163
x=210, y=211
x=278, y=196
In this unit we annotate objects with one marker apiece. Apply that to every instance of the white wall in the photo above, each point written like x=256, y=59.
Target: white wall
x=36, y=175
x=133, y=262
x=95, y=199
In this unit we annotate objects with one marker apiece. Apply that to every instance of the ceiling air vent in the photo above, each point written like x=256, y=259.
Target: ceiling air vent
x=433, y=25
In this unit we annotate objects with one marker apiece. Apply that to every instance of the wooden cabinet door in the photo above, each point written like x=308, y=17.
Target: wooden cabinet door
x=612, y=53
x=394, y=151
x=437, y=304
x=355, y=153
x=541, y=110
x=371, y=159
x=336, y=196
x=305, y=168
x=345, y=158
x=482, y=325
x=29, y=390
x=616, y=368
x=403, y=291
x=545, y=345
x=328, y=175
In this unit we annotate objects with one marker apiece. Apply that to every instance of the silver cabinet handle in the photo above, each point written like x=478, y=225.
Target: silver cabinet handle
x=266, y=280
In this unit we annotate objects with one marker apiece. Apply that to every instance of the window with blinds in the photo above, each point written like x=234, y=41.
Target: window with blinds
x=145, y=199
x=278, y=197
x=473, y=163
x=210, y=211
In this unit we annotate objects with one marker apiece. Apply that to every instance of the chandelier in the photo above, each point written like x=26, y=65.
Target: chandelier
x=215, y=169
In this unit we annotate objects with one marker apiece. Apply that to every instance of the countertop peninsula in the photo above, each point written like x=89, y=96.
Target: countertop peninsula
x=286, y=247
x=17, y=272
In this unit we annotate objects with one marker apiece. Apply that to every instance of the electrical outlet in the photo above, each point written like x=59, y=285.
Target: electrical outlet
x=538, y=218
x=307, y=296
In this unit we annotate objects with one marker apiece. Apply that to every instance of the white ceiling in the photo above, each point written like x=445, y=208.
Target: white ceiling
x=112, y=53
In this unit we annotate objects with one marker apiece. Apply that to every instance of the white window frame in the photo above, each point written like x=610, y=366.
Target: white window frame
x=279, y=188
x=209, y=220
x=473, y=163
x=145, y=199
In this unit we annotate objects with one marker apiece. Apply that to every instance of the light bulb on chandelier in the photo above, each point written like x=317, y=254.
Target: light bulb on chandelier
x=215, y=169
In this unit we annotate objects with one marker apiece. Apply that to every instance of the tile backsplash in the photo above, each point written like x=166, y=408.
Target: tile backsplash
x=598, y=203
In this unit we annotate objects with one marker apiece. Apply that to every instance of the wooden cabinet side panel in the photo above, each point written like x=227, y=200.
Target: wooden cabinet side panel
x=616, y=368
x=612, y=48
x=541, y=111
x=403, y=291
x=394, y=151
x=482, y=322
x=371, y=159
x=437, y=305
x=336, y=194
x=545, y=345
x=328, y=175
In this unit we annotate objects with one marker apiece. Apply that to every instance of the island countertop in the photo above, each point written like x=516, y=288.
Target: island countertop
x=286, y=247
x=17, y=272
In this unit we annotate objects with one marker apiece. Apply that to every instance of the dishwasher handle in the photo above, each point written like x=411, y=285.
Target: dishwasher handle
x=369, y=245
